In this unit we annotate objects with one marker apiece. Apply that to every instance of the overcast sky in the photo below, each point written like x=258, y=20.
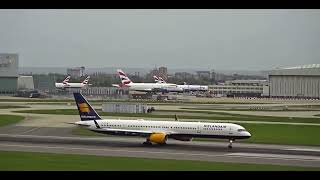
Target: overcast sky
x=213, y=39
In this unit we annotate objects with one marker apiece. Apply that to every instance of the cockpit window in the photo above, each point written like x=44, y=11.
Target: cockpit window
x=241, y=130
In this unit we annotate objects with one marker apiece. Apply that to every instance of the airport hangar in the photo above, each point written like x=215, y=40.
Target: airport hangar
x=8, y=73
x=295, y=82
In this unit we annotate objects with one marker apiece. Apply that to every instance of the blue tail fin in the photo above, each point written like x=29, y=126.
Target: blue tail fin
x=86, y=111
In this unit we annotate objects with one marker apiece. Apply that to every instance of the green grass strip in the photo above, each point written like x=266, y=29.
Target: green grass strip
x=12, y=106
x=29, y=161
x=215, y=115
x=9, y=119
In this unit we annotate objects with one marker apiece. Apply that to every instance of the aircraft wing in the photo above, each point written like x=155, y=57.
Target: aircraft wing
x=78, y=124
x=115, y=85
x=132, y=131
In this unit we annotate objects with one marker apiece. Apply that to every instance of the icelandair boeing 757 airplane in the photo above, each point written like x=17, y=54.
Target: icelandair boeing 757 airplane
x=156, y=131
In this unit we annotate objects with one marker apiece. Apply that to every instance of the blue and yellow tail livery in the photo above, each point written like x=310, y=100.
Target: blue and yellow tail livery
x=86, y=112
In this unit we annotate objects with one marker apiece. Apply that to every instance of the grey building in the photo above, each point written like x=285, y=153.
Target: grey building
x=44, y=82
x=205, y=74
x=295, y=82
x=9, y=66
x=25, y=82
x=124, y=108
x=76, y=71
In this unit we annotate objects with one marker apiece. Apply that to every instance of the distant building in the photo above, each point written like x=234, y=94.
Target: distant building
x=241, y=88
x=25, y=82
x=183, y=75
x=44, y=82
x=154, y=72
x=124, y=108
x=76, y=71
x=9, y=67
x=205, y=74
x=295, y=82
x=163, y=72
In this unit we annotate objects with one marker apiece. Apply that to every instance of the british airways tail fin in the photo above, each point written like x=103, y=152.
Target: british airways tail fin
x=86, y=81
x=86, y=111
x=161, y=80
x=124, y=78
x=156, y=79
x=66, y=80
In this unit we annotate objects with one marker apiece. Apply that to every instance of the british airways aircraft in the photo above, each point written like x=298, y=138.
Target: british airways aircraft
x=143, y=87
x=185, y=86
x=65, y=84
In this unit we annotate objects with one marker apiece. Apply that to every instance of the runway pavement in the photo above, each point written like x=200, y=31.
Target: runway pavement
x=51, y=133
x=132, y=147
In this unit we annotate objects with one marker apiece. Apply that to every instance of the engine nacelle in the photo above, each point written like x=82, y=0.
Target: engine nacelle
x=181, y=138
x=159, y=138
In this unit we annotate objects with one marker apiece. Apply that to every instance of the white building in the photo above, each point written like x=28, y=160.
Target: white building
x=9, y=66
x=241, y=88
x=295, y=82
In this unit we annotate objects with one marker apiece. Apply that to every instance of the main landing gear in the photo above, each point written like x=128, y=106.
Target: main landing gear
x=230, y=144
x=147, y=142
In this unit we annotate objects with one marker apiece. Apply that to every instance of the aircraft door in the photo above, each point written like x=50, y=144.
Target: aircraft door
x=230, y=130
x=199, y=129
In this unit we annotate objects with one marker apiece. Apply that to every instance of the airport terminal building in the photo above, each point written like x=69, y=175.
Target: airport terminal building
x=295, y=82
x=8, y=73
x=241, y=88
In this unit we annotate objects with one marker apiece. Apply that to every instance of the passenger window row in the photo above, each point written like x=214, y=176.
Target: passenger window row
x=162, y=127
x=219, y=129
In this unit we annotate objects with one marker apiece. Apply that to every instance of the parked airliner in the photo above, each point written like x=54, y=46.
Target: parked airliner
x=156, y=131
x=185, y=86
x=65, y=84
x=143, y=87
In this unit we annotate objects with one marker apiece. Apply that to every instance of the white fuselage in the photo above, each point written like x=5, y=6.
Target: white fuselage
x=70, y=85
x=193, y=87
x=151, y=86
x=191, y=129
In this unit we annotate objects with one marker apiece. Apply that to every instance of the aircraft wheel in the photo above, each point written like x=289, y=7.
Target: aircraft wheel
x=147, y=143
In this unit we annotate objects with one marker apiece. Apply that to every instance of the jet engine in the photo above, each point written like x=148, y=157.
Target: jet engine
x=159, y=138
x=181, y=138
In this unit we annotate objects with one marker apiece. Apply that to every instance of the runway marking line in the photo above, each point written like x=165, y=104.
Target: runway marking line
x=275, y=155
x=304, y=149
x=30, y=130
x=243, y=155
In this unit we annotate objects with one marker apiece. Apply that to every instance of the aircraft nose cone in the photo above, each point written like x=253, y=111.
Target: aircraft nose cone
x=248, y=134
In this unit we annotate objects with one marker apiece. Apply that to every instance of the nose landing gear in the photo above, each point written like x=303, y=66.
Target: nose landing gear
x=230, y=144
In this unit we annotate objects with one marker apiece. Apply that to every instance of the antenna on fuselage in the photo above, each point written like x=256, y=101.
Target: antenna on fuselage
x=175, y=117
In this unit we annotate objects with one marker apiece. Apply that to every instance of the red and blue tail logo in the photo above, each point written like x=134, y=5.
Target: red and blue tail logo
x=86, y=111
x=66, y=80
x=86, y=80
x=124, y=78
